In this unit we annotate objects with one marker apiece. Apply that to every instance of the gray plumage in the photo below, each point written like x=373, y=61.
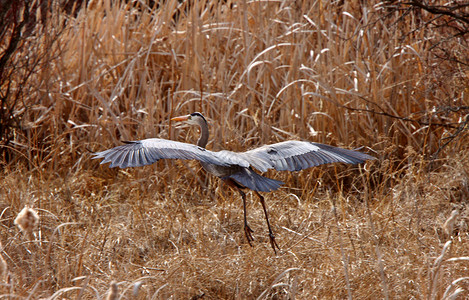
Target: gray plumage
x=237, y=168
x=149, y=151
x=284, y=156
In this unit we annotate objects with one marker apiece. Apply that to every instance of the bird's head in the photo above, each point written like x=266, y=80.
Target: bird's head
x=192, y=119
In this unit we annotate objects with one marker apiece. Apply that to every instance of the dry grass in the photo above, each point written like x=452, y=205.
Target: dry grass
x=262, y=72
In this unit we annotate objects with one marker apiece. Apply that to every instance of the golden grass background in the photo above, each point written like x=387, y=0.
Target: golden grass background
x=348, y=73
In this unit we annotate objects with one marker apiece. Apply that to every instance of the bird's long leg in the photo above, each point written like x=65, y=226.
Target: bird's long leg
x=273, y=243
x=247, y=230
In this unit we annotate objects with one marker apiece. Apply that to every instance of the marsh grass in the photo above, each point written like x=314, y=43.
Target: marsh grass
x=345, y=74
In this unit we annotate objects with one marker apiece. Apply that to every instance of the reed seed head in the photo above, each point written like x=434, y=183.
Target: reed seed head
x=27, y=220
x=3, y=268
x=113, y=292
x=449, y=224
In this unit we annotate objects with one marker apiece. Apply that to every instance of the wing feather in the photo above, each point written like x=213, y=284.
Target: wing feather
x=284, y=156
x=299, y=155
x=149, y=151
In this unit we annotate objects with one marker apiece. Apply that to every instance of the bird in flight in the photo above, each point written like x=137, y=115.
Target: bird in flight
x=234, y=168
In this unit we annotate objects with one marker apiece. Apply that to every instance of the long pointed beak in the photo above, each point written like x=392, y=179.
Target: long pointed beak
x=181, y=118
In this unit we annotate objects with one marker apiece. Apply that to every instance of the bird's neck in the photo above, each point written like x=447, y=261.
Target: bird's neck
x=203, y=140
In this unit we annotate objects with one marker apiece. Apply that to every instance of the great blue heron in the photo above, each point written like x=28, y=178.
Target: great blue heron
x=235, y=168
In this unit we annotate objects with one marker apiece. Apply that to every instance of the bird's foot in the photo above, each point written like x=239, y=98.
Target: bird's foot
x=248, y=232
x=273, y=243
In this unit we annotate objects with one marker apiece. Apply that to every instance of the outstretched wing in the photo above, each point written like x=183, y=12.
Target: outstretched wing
x=149, y=151
x=284, y=156
x=299, y=155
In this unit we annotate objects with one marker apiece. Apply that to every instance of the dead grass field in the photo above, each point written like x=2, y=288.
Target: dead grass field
x=348, y=73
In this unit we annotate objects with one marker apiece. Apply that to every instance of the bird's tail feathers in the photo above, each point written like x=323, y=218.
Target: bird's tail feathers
x=256, y=182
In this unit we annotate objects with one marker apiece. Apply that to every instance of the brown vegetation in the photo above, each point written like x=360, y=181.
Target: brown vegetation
x=392, y=77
